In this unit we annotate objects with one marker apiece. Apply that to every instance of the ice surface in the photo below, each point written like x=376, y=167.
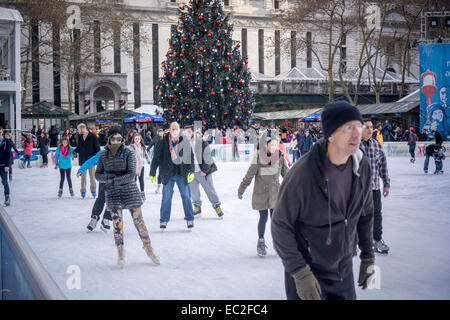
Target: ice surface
x=218, y=259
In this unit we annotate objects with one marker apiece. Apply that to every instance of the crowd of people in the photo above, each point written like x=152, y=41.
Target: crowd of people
x=334, y=183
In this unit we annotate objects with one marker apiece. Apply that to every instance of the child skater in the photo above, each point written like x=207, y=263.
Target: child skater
x=63, y=160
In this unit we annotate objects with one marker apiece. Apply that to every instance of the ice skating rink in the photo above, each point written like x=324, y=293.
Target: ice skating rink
x=218, y=259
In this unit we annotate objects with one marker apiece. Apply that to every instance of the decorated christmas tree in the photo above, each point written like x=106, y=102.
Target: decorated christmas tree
x=205, y=77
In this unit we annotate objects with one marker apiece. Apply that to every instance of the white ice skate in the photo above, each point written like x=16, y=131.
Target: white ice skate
x=149, y=251
x=121, y=256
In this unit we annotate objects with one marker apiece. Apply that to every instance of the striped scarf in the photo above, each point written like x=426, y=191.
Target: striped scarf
x=173, y=151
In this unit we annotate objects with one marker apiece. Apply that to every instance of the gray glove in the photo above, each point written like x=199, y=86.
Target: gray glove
x=308, y=288
x=364, y=275
x=240, y=196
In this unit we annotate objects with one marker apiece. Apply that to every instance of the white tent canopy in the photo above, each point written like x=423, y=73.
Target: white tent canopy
x=149, y=108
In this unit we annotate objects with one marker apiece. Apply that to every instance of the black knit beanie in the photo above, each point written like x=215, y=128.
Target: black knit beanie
x=336, y=114
x=114, y=130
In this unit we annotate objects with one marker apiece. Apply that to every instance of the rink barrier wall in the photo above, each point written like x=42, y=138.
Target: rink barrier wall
x=22, y=275
x=224, y=152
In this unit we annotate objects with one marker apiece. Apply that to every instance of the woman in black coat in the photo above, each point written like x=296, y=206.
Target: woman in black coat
x=116, y=168
x=43, y=143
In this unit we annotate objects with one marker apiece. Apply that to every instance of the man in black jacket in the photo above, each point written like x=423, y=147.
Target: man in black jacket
x=204, y=167
x=87, y=147
x=5, y=157
x=438, y=137
x=324, y=203
x=175, y=159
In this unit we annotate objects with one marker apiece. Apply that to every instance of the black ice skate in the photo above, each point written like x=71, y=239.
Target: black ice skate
x=60, y=191
x=190, y=224
x=219, y=212
x=7, y=200
x=381, y=247
x=105, y=225
x=163, y=225
x=261, y=248
x=92, y=224
x=197, y=211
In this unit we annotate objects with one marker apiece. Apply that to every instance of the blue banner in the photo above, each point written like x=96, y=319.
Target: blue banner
x=435, y=89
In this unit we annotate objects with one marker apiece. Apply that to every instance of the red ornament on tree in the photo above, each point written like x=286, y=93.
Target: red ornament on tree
x=209, y=35
x=206, y=70
x=181, y=55
x=212, y=94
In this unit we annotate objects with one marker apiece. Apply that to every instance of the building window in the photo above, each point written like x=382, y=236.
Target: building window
x=293, y=49
x=6, y=51
x=277, y=52
x=276, y=4
x=226, y=3
x=343, y=62
x=308, y=50
x=261, y=51
x=244, y=43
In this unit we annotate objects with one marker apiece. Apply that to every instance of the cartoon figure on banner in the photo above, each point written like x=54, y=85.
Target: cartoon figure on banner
x=436, y=118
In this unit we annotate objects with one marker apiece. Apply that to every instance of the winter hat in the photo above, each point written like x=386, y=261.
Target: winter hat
x=115, y=130
x=336, y=114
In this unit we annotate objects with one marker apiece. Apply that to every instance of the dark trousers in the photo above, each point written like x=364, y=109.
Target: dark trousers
x=295, y=155
x=377, y=219
x=263, y=217
x=44, y=159
x=100, y=203
x=4, y=175
x=141, y=179
x=235, y=152
x=412, y=149
x=63, y=173
x=331, y=290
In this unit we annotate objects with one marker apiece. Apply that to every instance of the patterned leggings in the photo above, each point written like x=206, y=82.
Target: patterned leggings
x=138, y=220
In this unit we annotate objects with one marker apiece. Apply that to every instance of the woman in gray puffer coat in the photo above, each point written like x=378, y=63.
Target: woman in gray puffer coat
x=267, y=165
x=116, y=168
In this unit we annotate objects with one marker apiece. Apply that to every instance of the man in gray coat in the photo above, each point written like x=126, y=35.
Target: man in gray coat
x=324, y=203
x=204, y=167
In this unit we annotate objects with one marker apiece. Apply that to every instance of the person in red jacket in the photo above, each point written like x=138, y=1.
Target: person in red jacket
x=28, y=146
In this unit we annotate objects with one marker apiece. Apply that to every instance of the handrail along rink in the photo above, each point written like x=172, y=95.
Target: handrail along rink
x=22, y=275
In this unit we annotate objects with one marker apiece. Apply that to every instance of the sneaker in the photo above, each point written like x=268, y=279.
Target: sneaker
x=158, y=187
x=121, y=256
x=261, y=248
x=190, y=224
x=219, y=212
x=163, y=225
x=94, y=194
x=105, y=225
x=197, y=210
x=143, y=195
x=426, y=171
x=72, y=194
x=91, y=226
x=381, y=247
x=7, y=200
x=149, y=251
x=60, y=191
x=83, y=195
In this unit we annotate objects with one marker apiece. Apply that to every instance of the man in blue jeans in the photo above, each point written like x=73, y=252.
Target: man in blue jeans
x=175, y=159
x=5, y=157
